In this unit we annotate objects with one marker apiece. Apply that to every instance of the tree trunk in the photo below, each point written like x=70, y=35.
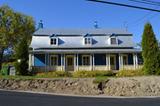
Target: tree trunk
x=1, y=57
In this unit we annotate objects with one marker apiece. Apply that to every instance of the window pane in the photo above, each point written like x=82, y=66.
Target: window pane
x=54, y=61
x=113, y=41
x=86, y=60
x=87, y=41
x=53, y=41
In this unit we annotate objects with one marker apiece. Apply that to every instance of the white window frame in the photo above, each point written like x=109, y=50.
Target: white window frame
x=51, y=60
x=83, y=60
x=89, y=39
x=54, y=38
x=109, y=40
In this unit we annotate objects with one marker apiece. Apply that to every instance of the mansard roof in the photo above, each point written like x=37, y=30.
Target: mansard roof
x=74, y=38
x=49, y=32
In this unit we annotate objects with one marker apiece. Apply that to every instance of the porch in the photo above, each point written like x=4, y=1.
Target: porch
x=87, y=62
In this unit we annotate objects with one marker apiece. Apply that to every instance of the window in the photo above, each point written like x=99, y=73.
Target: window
x=54, y=41
x=54, y=60
x=113, y=41
x=125, y=60
x=86, y=60
x=87, y=41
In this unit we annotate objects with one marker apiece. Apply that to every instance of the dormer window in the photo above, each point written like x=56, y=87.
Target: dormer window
x=113, y=41
x=54, y=41
x=88, y=41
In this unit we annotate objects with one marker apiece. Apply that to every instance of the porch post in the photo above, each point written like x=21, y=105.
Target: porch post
x=61, y=62
x=134, y=61
x=109, y=63
x=120, y=64
x=77, y=62
x=91, y=66
x=64, y=57
x=48, y=61
x=45, y=62
x=93, y=62
x=122, y=61
x=30, y=61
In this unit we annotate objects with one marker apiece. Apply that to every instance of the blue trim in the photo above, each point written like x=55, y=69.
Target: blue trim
x=39, y=60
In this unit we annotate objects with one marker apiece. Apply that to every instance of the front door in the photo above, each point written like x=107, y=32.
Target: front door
x=113, y=62
x=70, y=63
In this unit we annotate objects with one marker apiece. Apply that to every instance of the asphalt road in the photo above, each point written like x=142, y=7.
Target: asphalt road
x=29, y=99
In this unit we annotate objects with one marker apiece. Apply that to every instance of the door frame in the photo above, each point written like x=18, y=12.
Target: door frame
x=69, y=56
x=114, y=66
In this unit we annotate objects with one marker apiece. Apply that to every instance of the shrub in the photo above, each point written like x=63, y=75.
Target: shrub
x=54, y=74
x=130, y=73
x=83, y=74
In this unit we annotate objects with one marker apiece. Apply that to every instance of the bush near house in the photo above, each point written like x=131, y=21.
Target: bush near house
x=54, y=74
x=83, y=74
x=77, y=74
x=130, y=73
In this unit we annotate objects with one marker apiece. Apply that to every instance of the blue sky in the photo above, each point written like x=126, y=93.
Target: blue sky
x=82, y=14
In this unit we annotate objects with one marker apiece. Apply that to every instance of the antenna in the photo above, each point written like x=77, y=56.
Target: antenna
x=125, y=25
x=96, y=25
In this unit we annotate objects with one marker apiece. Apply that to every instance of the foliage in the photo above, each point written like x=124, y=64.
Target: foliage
x=77, y=74
x=130, y=73
x=83, y=74
x=54, y=74
x=100, y=79
x=22, y=55
x=13, y=27
x=149, y=50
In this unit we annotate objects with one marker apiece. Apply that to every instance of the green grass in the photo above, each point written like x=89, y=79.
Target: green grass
x=100, y=79
x=19, y=77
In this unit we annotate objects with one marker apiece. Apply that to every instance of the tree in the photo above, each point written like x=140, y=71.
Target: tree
x=22, y=57
x=149, y=50
x=13, y=27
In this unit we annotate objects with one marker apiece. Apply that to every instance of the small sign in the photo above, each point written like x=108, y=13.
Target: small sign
x=12, y=71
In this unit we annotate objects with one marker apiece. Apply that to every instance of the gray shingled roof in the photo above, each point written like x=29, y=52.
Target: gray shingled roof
x=134, y=50
x=79, y=31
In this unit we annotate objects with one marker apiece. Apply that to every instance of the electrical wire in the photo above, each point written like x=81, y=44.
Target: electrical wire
x=125, y=5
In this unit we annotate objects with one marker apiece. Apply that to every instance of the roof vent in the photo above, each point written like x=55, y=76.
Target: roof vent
x=96, y=25
x=40, y=25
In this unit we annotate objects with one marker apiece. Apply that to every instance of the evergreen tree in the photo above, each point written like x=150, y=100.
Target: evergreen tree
x=22, y=57
x=149, y=50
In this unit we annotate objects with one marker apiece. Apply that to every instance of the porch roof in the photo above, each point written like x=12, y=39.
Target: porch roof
x=87, y=51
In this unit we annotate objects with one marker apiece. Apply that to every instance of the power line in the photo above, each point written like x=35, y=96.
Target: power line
x=145, y=2
x=150, y=1
x=125, y=5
